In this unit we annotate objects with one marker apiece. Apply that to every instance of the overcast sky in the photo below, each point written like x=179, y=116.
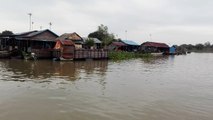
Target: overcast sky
x=169, y=21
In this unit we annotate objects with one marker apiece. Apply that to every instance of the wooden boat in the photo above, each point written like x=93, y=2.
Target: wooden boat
x=29, y=56
x=157, y=54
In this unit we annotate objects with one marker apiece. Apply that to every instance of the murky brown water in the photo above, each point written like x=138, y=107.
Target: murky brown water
x=169, y=88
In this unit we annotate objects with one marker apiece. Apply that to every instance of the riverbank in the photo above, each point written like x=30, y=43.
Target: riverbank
x=113, y=55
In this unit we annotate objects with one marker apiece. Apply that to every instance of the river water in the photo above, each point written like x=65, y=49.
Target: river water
x=164, y=88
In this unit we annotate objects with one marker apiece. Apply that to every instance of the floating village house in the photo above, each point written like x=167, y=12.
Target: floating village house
x=124, y=45
x=75, y=38
x=64, y=50
x=39, y=42
x=172, y=50
x=131, y=46
x=155, y=47
x=69, y=47
x=117, y=46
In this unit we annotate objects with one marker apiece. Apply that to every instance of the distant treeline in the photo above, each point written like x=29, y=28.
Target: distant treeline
x=206, y=47
x=6, y=32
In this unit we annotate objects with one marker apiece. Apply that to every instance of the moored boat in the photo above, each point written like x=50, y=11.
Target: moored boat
x=157, y=54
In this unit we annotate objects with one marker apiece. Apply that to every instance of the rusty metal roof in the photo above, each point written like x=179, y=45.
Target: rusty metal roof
x=155, y=44
x=118, y=44
x=70, y=36
x=66, y=42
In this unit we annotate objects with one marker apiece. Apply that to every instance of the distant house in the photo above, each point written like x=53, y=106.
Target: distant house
x=154, y=47
x=64, y=50
x=172, y=50
x=117, y=46
x=131, y=46
x=97, y=42
x=75, y=38
x=44, y=39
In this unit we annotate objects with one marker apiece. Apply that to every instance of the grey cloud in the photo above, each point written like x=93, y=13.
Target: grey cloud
x=169, y=21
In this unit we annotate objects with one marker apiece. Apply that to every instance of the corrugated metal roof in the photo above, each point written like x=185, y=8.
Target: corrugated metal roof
x=155, y=44
x=33, y=33
x=66, y=42
x=25, y=33
x=118, y=44
x=129, y=42
x=70, y=36
x=97, y=41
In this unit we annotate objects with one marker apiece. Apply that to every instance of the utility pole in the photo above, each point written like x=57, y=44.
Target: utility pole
x=50, y=25
x=30, y=16
x=150, y=35
x=32, y=25
x=126, y=34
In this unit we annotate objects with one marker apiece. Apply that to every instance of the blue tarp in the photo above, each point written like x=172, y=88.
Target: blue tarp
x=172, y=50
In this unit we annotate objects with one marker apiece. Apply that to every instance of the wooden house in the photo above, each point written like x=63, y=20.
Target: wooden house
x=131, y=46
x=117, y=46
x=41, y=43
x=64, y=50
x=75, y=38
x=154, y=47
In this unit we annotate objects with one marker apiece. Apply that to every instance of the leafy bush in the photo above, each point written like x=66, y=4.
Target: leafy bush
x=127, y=55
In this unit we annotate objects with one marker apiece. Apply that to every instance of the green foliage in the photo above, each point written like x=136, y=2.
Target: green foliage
x=207, y=44
x=7, y=32
x=199, y=46
x=103, y=35
x=127, y=55
x=90, y=42
x=206, y=47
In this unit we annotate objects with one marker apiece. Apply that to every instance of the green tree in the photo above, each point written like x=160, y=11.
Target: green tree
x=103, y=35
x=89, y=42
x=7, y=32
x=207, y=44
x=199, y=46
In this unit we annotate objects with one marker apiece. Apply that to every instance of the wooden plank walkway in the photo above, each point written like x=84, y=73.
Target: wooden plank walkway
x=91, y=54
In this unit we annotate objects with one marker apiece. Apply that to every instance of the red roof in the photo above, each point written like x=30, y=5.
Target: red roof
x=118, y=44
x=155, y=44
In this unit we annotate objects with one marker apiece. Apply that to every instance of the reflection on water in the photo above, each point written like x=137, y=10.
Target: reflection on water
x=161, y=88
x=20, y=70
x=156, y=60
